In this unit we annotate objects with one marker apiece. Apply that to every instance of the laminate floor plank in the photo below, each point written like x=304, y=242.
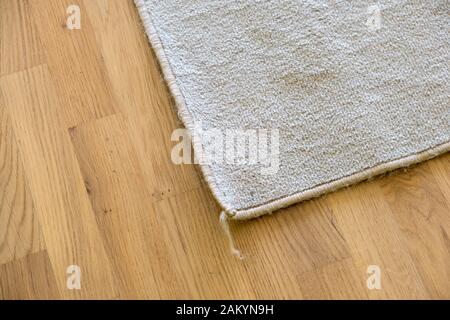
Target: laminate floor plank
x=68, y=223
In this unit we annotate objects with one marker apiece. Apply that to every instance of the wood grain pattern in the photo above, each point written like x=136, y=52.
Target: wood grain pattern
x=86, y=178
x=340, y=280
x=375, y=239
x=141, y=93
x=29, y=278
x=55, y=180
x=20, y=232
x=121, y=201
x=20, y=46
x=425, y=225
x=74, y=61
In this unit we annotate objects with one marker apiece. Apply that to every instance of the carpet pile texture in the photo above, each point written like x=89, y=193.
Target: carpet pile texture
x=352, y=89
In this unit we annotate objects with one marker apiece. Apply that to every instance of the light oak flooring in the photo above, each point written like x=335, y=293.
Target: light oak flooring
x=86, y=179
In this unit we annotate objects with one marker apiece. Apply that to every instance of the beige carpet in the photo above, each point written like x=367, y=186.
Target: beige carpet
x=338, y=91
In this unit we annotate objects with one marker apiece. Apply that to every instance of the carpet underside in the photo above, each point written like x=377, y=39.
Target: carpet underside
x=353, y=89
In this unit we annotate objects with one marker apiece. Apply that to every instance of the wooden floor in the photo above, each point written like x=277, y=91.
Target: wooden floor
x=86, y=179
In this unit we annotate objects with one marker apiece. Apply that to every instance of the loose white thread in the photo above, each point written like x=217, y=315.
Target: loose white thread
x=224, y=222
